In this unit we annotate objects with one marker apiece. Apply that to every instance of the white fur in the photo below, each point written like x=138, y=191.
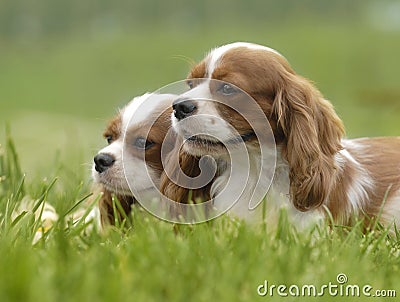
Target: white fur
x=277, y=198
x=115, y=149
x=132, y=109
x=391, y=210
x=357, y=193
x=113, y=178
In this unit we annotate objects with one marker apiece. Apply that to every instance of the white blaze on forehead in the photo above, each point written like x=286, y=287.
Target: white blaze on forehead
x=115, y=149
x=216, y=54
x=132, y=107
x=141, y=107
x=200, y=92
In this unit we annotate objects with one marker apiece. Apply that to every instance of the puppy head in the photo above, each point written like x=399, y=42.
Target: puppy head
x=133, y=155
x=219, y=102
x=304, y=125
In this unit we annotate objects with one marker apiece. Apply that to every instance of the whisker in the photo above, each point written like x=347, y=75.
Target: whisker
x=186, y=59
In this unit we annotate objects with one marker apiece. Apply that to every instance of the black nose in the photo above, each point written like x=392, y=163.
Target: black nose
x=103, y=161
x=183, y=108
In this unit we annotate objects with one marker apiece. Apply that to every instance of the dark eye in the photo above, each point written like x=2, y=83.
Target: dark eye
x=109, y=139
x=142, y=143
x=227, y=89
x=190, y=83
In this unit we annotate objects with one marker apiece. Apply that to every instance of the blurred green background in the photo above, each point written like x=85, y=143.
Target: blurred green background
x=66, y=66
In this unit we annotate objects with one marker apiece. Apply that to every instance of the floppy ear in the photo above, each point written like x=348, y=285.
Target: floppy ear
x=188, y=164
x=312, y=132
x=107, y=213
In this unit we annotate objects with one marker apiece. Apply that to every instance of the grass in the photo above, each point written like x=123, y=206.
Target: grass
x=58, y=94
x=223, y=260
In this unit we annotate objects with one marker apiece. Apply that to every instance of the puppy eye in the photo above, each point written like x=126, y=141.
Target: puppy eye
x=142, y=143
x=109, y=139
x=227, y=89
x=190, y=83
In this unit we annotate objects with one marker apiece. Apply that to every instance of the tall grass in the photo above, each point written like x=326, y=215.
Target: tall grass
x=151, y=260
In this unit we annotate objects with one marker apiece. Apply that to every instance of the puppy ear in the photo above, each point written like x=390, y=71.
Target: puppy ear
x=105, y=207
x=107, y=212
x=179, y=161
x=312, y=133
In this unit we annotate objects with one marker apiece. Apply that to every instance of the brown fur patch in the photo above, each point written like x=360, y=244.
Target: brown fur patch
x=381, y=158
x=113, y=128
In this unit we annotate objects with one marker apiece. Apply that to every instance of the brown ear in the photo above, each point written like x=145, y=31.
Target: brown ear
x=105, y=207
x=107, y=213
x=189, y=164
x=312, y=132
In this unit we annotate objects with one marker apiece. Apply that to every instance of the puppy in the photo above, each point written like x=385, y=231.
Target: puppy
x=317, y=170
x=131, y=163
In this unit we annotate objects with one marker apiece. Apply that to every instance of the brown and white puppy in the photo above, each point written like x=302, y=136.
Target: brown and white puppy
x=317, y=168
x=133, y=155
